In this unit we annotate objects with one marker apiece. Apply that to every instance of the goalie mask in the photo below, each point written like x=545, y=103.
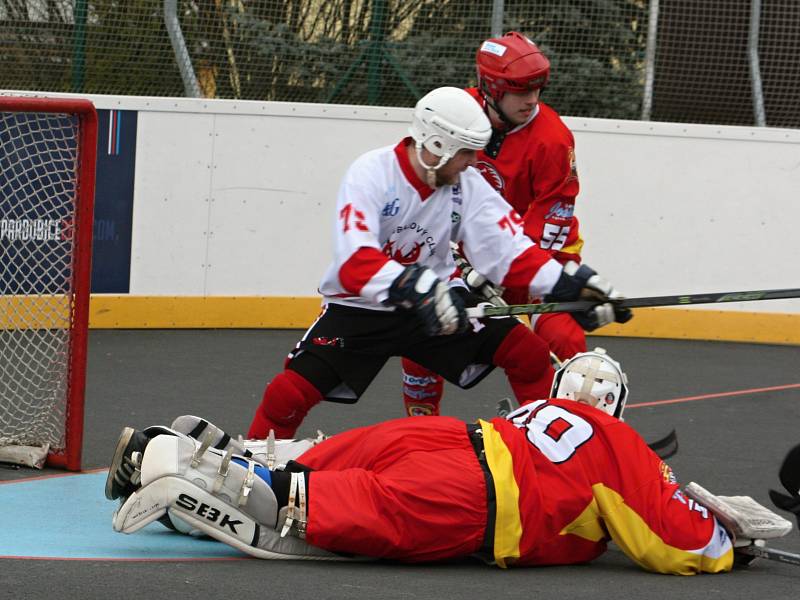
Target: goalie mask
x=593, y=378
x=445, y=121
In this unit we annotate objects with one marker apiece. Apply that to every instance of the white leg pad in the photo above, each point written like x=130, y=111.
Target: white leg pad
x=275, y=453
x=269, y=452
x=211, y=470
x=216, y=518
x=209, y=493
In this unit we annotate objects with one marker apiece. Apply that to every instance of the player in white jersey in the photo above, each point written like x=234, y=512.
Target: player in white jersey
x=393, y=287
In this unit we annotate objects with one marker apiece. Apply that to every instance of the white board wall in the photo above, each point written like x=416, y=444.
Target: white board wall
x=237, y=198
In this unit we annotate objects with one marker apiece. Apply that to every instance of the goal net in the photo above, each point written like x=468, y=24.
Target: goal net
x=47, y=162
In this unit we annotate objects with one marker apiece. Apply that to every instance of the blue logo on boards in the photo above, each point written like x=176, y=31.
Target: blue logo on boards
x=390, y=209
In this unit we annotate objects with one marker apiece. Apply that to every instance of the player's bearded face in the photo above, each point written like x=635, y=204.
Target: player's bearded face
x=448, y=174
x=518, y=106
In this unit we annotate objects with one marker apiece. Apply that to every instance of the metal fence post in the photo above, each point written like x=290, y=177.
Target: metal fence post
x=79, y=47
x=650, y=60
x=755, y=64
x=375, y=52
x=498, y=10
x=190, y=85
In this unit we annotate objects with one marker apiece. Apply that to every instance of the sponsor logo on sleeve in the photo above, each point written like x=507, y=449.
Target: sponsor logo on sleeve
x=560, y=211
x=573, y=168
x=492, y=175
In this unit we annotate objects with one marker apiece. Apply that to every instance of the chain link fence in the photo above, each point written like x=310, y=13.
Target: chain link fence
x=703, y=61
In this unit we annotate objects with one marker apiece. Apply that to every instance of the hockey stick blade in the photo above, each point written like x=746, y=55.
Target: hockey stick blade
x=648, y=301
x=506, y=406
x=665, y=447
x=770, y=554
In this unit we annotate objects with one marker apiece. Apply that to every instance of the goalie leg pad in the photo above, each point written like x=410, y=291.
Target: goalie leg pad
x=123, y=474
x=270, y=452
x=200, y=429
x=211, y=470
x=209, y=514
x=277, y=453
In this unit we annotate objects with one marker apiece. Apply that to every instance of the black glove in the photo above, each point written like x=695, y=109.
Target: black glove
x=418, y=289
x=580, y=282
x=789, y=475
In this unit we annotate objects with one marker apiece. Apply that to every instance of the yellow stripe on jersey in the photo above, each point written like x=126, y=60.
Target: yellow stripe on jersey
x=575, y=247
x=644, y=546
x=508, y=523
x=587, y=525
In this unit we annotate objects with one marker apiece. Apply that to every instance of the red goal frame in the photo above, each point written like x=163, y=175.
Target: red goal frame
x=70, y=456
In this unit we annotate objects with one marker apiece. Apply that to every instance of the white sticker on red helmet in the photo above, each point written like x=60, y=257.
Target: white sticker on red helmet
x=493, y=48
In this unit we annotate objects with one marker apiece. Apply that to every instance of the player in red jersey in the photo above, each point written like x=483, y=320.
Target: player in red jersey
x=552, y=483
x=530, y=161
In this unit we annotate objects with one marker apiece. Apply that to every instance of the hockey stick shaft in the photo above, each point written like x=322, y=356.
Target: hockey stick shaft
x=650, y=301
x=771, y=554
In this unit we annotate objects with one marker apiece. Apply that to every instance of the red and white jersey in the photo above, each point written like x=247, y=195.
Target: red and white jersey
x=535, y=172
x=569, y=478
x=388, y=218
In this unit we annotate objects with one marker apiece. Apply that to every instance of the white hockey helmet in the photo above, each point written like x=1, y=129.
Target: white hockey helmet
x=595, y=379
x=447, y=120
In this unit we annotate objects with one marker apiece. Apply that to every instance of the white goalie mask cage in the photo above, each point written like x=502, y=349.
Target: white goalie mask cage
x=447, y=120
x=595, y=379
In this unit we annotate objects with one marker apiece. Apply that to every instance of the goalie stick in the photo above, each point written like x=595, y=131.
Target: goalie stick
x=770, y=554
x=648, y=301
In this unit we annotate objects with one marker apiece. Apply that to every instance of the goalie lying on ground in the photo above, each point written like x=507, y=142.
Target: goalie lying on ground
x=551, y=483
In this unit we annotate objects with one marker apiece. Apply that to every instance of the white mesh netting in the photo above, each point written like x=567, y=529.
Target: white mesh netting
x=38, y=188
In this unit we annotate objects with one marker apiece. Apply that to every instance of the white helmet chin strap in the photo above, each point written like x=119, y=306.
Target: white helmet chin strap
x=430, y=171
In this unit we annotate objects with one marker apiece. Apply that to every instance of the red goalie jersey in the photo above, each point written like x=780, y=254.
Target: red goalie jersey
x=535, y=172
x=569, y=478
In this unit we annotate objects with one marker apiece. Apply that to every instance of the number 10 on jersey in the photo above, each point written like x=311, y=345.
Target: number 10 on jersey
x=556, y=432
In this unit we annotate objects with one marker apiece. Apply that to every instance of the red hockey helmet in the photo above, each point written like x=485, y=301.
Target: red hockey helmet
x=511, y=63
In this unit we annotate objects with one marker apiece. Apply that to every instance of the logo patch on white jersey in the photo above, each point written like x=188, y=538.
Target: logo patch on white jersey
x=390, y=209
x=456, y=190
x=403, y=255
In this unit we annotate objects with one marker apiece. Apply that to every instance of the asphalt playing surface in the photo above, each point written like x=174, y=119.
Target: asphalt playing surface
x=736, y=409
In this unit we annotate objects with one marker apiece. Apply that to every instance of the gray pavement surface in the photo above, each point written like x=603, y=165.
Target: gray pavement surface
x=731, y=445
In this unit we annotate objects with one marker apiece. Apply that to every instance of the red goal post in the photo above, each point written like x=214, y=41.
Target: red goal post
x=48, y=150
